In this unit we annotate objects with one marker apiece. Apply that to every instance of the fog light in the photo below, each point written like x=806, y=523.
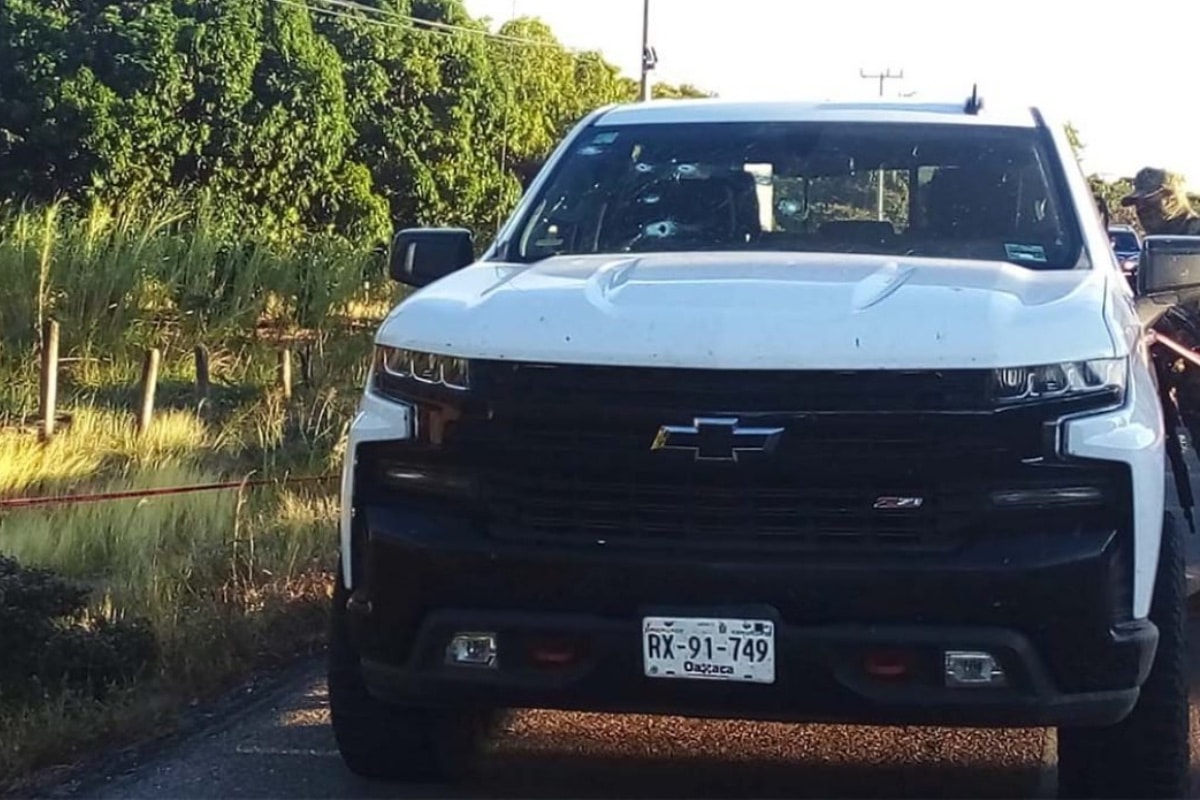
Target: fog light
x=472, y=650
x=973, y=668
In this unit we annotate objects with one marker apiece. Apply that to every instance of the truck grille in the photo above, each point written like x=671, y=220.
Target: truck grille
x=564, y=453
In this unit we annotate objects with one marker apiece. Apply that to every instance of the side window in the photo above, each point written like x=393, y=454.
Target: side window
x=565, y=221
x=1000, y=202
x=790, y=204
x=838, y=198
x=542, y=237
x=969, y=202
x=881, y=196
x=920, y=210
x=896, y=190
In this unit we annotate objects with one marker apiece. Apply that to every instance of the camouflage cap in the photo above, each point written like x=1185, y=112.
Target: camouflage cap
x=1150, y=181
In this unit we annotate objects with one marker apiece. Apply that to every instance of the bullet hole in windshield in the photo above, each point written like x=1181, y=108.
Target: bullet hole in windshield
x=661, y=230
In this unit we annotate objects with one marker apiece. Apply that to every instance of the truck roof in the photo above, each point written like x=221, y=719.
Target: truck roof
x=903, y=111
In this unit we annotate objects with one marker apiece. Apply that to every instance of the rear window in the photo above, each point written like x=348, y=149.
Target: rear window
x=1124, y=241
x=941, y=191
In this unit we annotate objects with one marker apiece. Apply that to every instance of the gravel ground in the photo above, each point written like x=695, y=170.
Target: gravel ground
x=285, y=749
x=277, y=743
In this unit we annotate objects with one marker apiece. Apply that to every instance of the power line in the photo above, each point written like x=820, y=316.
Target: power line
x=420, y=23
x=452, y=31
x=387, y=19
x=325, y=12
x=409, y=23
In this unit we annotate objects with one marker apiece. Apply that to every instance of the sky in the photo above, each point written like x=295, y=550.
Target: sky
x=1100, y=71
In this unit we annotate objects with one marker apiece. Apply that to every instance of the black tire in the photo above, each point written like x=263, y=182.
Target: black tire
x=381, y=741
x=1147, y=754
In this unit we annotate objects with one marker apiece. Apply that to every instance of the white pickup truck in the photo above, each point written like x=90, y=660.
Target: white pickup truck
x=774, y=411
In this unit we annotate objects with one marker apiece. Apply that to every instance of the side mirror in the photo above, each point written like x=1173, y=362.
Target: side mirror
x=1169, y=265
x=421, y=256
x=1168, y=268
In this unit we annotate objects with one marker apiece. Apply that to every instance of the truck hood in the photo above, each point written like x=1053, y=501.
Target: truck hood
x=759, y=311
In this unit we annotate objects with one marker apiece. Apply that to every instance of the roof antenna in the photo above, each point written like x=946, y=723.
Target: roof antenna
x=974, y=102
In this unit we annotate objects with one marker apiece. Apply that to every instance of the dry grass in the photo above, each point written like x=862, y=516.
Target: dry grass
x=98, y=445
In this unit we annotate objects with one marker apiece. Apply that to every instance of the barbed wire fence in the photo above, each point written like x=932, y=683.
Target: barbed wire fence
x=49, y=419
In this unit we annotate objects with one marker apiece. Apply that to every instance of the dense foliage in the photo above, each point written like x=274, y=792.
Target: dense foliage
x=300, y=115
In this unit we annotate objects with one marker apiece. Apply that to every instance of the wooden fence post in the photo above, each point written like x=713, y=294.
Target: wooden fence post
x=149, y=384
x=285, y=372
x=203, y=384
x=48, y=396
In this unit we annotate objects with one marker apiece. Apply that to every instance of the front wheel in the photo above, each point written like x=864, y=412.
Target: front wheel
x=382, y=741
x=1147, y=754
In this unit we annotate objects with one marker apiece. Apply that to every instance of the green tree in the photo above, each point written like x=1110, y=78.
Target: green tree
x=297, y=121
x=41, y=134
x=666, y=91
x=425, y=109
x=1077, y=145
x=1111, y=193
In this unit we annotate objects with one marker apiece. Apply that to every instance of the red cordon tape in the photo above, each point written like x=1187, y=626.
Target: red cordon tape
x=72, y=499
x=1190, y=355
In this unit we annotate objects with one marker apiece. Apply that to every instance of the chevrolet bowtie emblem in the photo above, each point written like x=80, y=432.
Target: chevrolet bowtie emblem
x=716, y=439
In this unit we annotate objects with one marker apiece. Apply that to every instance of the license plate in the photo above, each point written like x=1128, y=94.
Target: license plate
x=739, y=650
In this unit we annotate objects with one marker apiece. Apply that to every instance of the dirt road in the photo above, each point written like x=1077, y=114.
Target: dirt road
x=281, y=746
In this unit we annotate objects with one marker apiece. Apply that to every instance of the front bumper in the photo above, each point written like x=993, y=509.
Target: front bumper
x=1047, y=606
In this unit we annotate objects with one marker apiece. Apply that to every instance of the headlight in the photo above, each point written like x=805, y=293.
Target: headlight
x=429, y=369
x=1103, y=377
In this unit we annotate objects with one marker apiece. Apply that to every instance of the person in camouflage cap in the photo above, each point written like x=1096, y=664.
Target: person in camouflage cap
x=1162, y=204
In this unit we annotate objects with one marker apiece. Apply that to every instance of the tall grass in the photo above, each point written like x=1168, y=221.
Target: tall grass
x=144, y=273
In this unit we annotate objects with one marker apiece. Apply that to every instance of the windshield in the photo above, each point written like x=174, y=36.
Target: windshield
x=1124, y=241
x=941, y=191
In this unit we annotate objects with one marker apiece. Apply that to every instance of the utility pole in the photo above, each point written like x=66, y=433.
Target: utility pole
x=882, y=77
x=649, y=57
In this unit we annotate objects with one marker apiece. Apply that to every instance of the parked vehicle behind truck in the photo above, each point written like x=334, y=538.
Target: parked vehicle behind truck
x=705, y=431
x=1127, y=246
